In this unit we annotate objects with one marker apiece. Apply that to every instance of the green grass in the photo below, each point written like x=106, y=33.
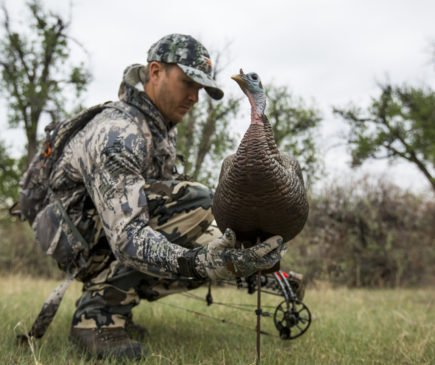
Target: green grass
x=349, y=327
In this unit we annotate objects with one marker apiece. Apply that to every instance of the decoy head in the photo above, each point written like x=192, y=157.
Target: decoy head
x=251, y=85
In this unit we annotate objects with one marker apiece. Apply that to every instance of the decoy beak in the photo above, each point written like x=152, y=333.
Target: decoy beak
x=236, y=77
x=239, y=79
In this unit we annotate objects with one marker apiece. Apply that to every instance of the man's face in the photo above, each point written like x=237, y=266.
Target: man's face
x=175, y=93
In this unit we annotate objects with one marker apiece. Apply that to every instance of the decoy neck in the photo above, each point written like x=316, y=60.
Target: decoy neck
x=252, y=87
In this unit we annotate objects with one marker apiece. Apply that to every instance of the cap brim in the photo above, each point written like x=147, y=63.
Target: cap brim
x=203, y=79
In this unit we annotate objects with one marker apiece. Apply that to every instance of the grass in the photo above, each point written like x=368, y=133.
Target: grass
x=349, y=327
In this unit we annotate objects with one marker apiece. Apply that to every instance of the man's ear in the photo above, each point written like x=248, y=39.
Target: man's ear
x=155, y=70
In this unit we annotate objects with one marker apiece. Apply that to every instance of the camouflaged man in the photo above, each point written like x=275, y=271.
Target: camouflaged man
x=142, y=222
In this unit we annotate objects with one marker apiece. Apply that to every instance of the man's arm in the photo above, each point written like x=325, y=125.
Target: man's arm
x=113, y=169
x=117, y=154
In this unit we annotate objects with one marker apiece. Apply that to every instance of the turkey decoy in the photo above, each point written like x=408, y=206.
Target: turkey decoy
x=261, y=191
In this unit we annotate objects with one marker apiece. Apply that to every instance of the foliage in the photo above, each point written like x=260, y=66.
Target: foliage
x=9, y=178
x=35, y=75
x=368, y=234
x=294, y=127
x=399, y=124
x=19, y=253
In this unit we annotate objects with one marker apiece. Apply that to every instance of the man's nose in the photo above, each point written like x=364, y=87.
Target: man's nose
x=193, y=96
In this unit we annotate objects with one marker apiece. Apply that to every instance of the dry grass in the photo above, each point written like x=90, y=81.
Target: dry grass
x=349, y=327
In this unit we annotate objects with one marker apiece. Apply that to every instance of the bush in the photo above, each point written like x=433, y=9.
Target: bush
x=368, y=234
x=362, y=234
x=19, y=253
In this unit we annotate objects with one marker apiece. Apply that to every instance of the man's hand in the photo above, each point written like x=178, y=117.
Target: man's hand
x=220, y=260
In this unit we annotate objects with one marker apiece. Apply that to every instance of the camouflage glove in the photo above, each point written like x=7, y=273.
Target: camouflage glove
x=220, y=260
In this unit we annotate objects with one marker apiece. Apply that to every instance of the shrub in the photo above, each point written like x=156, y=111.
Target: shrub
x=370, y=234
x=19, y=253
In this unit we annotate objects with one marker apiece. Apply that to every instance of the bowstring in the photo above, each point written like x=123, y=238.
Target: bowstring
x=222, y=320
x=240, y=306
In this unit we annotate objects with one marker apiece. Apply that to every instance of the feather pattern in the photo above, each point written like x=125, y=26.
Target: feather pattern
x=260, y=191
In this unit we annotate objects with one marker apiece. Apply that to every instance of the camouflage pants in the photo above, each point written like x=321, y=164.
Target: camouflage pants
x=178, y=209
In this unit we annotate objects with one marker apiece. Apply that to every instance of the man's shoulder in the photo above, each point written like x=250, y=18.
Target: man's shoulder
x=113, y=124
x=112, y=128
x=119, y=116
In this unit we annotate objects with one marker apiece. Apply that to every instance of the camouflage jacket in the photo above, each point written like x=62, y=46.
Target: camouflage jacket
x=110, y=160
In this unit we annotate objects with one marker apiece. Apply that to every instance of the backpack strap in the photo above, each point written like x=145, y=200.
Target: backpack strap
x=68, y=221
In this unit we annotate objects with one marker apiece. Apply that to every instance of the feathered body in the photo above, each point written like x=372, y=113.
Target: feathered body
x=261, y=191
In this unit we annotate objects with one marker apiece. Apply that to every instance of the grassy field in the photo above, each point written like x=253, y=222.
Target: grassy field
x=349, y=327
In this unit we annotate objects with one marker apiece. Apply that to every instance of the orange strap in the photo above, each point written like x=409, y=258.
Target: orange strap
x=47, y=149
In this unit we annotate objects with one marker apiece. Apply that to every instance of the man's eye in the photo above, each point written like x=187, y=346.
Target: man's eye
x=191, y=84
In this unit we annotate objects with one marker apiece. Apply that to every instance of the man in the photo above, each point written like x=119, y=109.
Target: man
x=116, y=179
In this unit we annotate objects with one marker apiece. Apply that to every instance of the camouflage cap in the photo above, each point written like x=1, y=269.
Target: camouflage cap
x=191, y=56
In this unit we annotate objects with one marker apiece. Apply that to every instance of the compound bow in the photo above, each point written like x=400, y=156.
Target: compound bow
x=291, y=317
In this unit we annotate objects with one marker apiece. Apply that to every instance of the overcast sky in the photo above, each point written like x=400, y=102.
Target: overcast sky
x=328, y=52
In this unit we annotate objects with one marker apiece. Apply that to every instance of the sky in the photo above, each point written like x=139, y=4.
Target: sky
x=329, y=53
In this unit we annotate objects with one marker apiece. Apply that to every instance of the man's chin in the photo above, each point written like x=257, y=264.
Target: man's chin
x=178, y=118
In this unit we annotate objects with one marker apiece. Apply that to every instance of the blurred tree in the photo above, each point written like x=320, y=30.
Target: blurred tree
x=399, y=124
x=34, y=70
x=366, y=232
x=294, y=127
x=9, y=177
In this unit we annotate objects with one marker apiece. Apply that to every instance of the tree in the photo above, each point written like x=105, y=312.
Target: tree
x=35, y=74
x=399, y=124
x=9, y=177
x=294, y=126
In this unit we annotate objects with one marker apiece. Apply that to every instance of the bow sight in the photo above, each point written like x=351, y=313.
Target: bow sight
x=291, y=317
